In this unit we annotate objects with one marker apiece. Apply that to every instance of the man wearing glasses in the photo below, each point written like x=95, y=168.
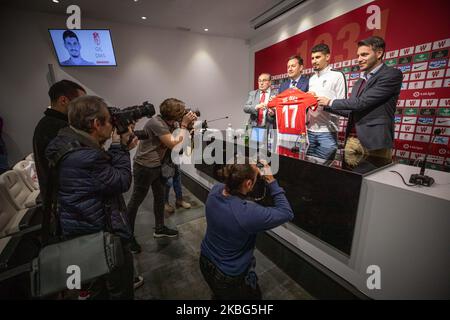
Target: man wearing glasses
x=256, y=105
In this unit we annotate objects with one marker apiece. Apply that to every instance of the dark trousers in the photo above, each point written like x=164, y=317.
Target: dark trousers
x=225, y=287
x=119, y=284
x=145, y=177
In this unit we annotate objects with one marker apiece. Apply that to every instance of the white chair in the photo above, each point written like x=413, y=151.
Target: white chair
x=27, y=171
x=10, y=217
x=16, y=192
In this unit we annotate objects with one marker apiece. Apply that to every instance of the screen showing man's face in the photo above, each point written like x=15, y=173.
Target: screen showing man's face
x=73, y=46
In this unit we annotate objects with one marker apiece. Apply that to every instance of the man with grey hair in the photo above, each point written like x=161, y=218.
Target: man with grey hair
x=256, y=105
x=90, y=184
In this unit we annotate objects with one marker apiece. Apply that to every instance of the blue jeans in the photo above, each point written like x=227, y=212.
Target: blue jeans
x=175, y=181
x=322, y=144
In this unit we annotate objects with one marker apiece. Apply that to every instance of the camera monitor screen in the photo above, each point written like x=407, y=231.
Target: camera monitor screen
x=83, y=47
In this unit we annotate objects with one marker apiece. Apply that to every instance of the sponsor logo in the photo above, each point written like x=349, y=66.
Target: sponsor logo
x=421, y=57
x=445, y=131
x=406, y=136
x=392, y=54
x=446, y=83
x=438, y=64
x=400, y=103
x=346, y=69
x=407, y=128
x=422, y=138
x=424, y=129
x=430, y=102
x=418, y=76
x=404, y=69
x=338, y=65
x=444, y=112
x=420, y=66
x=406, y=51
x=398, y=119
x=439, y=54
x=409, y=120
x=427, y=112
x=436, y=160
x=397, y=127
x=395, y=135
x=425, y=120
x=441, y=140
x=398, y=111
x=405, y=60
x=391, y=62
x=354, y=76
x=423, y=47
x=406, y=77
x=347, y=63
x=444, y=103
x=416, y=85
x=411, y=112
x=402, y=154
x=416, y=155
x=443, y=122
x=436, y=74
x=412, y=103
x=448, y=73
x=404, y=86
x=433, y=84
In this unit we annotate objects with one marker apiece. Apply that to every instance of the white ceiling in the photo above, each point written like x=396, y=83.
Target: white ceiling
x=222, y=17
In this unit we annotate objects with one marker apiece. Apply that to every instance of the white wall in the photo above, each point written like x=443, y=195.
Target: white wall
x=298, y=20
x=207, y=72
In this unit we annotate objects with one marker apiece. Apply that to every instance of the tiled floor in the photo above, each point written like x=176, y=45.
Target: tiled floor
x=170, y=266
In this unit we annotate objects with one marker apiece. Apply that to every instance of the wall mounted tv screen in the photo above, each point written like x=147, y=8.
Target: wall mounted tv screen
x=75, y=48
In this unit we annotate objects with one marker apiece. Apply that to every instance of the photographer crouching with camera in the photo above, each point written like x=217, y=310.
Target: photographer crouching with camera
x=156, y=140
x=232, y=223
x=89, y=186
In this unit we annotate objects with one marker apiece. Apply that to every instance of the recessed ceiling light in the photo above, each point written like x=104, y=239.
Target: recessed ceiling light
x=55, y=1
x=135, y=0
x=143, y=18
x=206, y=29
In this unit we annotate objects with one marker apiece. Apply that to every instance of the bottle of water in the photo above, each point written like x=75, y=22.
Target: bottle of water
x=246, y=136
x=302, y=141
x=229, y=133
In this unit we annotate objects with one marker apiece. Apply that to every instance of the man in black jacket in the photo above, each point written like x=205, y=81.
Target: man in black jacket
x=55, y=118
x=372, y=104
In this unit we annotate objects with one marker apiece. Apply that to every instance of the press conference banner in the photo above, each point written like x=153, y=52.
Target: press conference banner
x=417, y=34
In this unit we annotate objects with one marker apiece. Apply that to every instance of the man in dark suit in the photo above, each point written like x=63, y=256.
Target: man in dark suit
x=55, y=118
x=256, y=105
x=371, y=108
x=294, y=70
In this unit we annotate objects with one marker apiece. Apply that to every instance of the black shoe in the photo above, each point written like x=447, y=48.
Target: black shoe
x=135, y=247
x=164, y=232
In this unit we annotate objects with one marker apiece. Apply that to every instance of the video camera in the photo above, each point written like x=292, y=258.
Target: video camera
x=122, y=118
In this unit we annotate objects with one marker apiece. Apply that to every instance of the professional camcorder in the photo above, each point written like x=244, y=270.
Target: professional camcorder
x=122, y=118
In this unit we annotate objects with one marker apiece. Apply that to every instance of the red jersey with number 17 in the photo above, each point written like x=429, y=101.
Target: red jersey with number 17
x=291, y=108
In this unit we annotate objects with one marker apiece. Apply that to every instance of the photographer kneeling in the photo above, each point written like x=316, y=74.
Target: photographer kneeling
x=90, y=186
x=156, y=140
x=226, y=261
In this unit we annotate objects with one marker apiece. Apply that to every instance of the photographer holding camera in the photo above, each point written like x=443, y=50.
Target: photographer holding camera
x=157, y=139
x=226, y=260
x=90, y=183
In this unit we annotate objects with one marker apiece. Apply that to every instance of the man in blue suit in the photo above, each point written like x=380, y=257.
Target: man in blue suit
x=370, y=109
x=294, y=70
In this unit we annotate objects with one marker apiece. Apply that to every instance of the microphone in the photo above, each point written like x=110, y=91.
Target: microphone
x=421, y=179
x=205, y=122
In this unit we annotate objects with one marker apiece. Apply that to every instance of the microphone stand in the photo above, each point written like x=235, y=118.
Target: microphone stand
x=421, y=179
